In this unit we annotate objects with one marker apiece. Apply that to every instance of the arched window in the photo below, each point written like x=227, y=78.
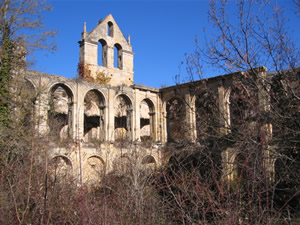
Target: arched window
x=118, y=61
x=149, y=162
x=110, y=29
x=206, y=116
x=60, y=112
x=60, y=167
x=146, y=119
x=123, y=118
x=102, y=53
x=94, y=116
x=176, y=126
x=122, y=165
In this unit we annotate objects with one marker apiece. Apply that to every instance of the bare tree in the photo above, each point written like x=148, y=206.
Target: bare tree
x=247, y=172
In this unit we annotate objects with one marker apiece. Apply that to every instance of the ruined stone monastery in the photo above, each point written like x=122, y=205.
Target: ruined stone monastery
x=99, y=121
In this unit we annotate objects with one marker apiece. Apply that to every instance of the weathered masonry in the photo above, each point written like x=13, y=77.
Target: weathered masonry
x=98, y=121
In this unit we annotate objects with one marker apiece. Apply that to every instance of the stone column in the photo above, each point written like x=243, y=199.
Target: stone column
x=80, y=115
x=190, y=116
x=110, y=116
x=163, y=121
x=129, y=125
x=110, y=57
x=152, y=126
x=102, y=128
x=223, y=110
x=137, y=116
x=41, y=110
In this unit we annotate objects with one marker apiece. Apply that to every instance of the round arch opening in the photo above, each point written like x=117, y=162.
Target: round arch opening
x=94, y=116
x=60, y=112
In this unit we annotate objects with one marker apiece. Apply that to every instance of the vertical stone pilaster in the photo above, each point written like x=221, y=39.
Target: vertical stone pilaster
x=163, y=120
x=80, y=115
x=74, y=119
x=137, y=116
x=110, y=118
x=223, y=110
x=190, y=115
x=110, y=56
x=130, y=125
x=157, y=119
x=41, y=110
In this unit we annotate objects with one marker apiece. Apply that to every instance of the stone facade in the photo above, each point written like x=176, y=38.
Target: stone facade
x=103, y=125
x=105, y=49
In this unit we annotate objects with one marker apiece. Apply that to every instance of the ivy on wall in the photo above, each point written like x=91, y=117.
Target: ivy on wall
x=6, y=50
x=84, y=72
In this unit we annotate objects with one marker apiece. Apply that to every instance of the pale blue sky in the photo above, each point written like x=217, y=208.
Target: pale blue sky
x=161, y=33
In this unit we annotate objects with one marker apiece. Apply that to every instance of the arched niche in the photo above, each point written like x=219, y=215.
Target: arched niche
x=60, y=167
x=94, y=111
x=147, y=121
x=122, y=165
x=176, y=122
x=240, y=168
x=60, y=111
x=93, y=169
x=207, y=116
x=149, y=162
x=123, y=118
x=236, y=109
x=118, y=59
x=242, y=109
x=102, y=53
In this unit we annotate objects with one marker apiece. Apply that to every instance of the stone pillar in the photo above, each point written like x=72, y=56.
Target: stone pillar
x=41, y=110
x=266, y=128
x=152, y=126
x=80, y=116
x=110, y=116
x=102, y=128
x=137, y=117
x=110, y=56
x=157, y=120
x=71, y=120
x=190, y=116
x=88, y=52
x=163, y=121
x=224, y=112
x=130, y=125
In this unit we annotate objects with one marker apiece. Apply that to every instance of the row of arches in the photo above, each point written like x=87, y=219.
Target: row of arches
x=61, y=110
x=209, y=117
x=94, y=167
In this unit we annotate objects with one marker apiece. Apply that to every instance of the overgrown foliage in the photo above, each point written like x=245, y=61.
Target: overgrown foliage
x=242, y=169
x=256, y=136
x=84, y=72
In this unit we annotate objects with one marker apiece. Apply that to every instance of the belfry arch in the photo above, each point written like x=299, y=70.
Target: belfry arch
x=118, y=58
x=102, y=53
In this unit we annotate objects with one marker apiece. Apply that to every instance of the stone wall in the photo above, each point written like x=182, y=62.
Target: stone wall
x=94, y=127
